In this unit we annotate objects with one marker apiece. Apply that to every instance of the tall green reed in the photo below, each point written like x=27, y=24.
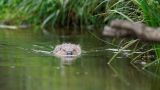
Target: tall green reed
x=70, y=12
x=151, y=14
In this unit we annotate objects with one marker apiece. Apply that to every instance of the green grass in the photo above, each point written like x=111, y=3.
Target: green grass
x=121, y=49
x=68, y=12
x=151, y=14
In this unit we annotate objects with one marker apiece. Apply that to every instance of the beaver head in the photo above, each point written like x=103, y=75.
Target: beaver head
x=67, y=50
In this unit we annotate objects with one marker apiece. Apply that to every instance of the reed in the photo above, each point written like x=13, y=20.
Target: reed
x=68, y=12
x=121, y=49
x=151, y=14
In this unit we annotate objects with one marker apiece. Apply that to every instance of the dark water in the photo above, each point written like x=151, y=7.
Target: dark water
x=26, y=65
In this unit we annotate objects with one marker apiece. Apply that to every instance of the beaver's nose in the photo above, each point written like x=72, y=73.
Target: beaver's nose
x=69, y=53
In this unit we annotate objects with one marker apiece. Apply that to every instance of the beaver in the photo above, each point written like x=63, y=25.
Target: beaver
x=67, y=50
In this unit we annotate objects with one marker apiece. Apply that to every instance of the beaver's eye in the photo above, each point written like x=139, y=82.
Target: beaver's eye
x=74, y=50
x=64, y=50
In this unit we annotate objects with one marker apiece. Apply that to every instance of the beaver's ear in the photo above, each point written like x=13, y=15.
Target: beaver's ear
x=57, y=48
x=78, y=47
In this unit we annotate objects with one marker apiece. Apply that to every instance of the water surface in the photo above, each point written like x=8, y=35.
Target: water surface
x=26, y=65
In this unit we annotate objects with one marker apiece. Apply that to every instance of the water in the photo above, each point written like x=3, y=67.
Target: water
x=25, y=64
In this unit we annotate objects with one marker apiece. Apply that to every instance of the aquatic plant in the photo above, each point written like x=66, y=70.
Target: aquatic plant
x=121, y=49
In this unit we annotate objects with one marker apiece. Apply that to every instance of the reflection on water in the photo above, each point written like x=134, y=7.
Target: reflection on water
x=26, y=64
